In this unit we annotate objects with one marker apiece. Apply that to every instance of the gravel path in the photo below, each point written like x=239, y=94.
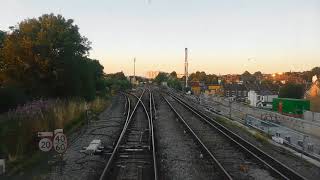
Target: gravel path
x=177, y=153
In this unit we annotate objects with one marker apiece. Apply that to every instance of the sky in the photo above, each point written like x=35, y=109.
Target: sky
x=222, y=37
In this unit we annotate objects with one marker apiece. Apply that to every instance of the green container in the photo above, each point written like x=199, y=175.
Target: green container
x=290, y=106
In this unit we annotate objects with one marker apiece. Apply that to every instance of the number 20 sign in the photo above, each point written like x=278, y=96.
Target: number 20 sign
x=45, y=144
x=60, y=143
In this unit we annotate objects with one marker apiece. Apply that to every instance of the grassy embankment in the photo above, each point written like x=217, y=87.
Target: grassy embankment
x=19, y=127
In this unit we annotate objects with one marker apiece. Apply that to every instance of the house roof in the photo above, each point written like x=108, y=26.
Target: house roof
x=265, y=92
x=263, y=89
x=235, y=87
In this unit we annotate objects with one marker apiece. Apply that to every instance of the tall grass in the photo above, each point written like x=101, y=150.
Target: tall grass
x=19, y=127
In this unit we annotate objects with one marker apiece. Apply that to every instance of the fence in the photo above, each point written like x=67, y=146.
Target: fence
x=311, y=116
x=297, y=140
x=240, y=111
x=272, y=123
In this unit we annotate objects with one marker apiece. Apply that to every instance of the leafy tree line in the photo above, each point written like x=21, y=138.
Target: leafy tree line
x=47, y=57
x=116, y=82
x=203, y=77
x=161, y=77
x=172, y=80
x=291, y=90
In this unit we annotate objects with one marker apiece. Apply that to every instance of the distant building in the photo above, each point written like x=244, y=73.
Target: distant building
x=262, y=98
x=291, y=107
x=214, y=89
x=152, y=74
x=313, y=94
x=237, y=92
x=195, y=87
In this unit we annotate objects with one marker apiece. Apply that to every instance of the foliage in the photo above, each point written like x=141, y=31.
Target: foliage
x=117, y=82
x=173, y=74
x=291, y=91
x=11, y=97
x=315, y=71
x=47, y=57
x=198, y=76
x=2, y=65
x=203, y=77
x=175, y=83
x=18, y=127
x=2, y=37
x=258, y=75
x=161, y=77
x=247, y=77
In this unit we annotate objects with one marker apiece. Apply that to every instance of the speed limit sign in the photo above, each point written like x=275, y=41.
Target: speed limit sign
x=60, y=143
x=45, y=144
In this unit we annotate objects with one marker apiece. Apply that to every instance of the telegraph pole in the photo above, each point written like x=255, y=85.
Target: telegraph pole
x=134, y=68
x=186, y=65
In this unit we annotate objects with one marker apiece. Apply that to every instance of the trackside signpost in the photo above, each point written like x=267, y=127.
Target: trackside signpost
x=60, y=143
x=45, y=144
x=56, y=140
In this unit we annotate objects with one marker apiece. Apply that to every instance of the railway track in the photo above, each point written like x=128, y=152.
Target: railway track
x=133, y=156
x=235, y=157
x=219, y=169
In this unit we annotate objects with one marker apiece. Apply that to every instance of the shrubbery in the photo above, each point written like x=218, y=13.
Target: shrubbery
x=291, y=90
x=19, y=127
x=46, y=57
x=175, y=83
x=47, y=81
x=171, y=79
x=116, y=82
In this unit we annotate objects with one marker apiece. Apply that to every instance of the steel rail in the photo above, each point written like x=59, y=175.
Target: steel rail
x=152, y=108
x=151, y=132
x=116, y=148
x=225, y=174
x=273, y=164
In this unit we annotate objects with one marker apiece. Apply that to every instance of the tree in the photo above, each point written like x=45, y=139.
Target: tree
x=258, y=75
x=47, y=57
x=161, y=77
x=246, y=73
x=2, y=37
x=173, y=74
x=211, y=79
x=291, y=91
x=315, y=71
x=247, y=77
x=175, y=83
x=198, y=76
x=117, y=82
x=2, y=65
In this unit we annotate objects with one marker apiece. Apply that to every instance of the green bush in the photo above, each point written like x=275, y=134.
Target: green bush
x=11, y=97
x=175, y=83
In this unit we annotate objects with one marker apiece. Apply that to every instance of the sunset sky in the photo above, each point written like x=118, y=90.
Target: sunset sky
x=228, y=36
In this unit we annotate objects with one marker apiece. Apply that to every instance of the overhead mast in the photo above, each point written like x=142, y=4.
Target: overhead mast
x=186, y=66
x=134, y=68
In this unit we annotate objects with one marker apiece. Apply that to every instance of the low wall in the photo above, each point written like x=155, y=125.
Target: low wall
x=240, y=111
x=311, y=116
